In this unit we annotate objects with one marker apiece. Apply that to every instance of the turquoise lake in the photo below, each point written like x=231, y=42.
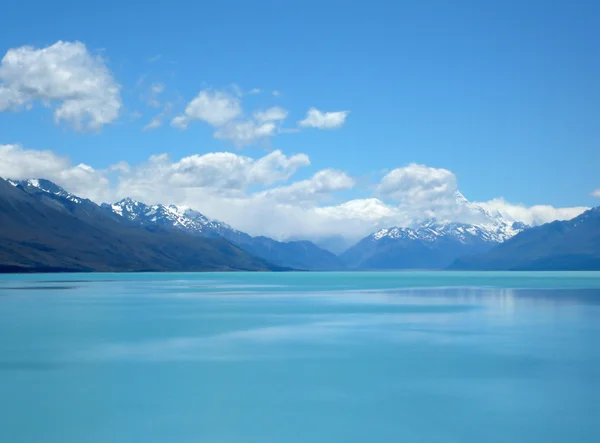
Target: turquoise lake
x=300, y=357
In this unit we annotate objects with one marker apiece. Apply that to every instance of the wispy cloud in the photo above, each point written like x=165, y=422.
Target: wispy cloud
x=158, y=120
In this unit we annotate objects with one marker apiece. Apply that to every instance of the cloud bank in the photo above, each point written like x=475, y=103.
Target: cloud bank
x=261, y=196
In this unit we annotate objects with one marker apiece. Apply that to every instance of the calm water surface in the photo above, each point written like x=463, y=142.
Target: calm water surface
x=300, y=357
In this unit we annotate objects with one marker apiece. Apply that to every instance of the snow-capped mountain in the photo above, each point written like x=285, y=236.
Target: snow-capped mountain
x=294, y=254
x=433, y=243
x=560, y=245
x=462, y=232
x=46, y=229
x=42, y=185
x=180, y=217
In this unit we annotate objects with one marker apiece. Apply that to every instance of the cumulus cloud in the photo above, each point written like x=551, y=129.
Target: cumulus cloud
x=224, y=112
x=20, y=164
x=324, y=120
x=596, y=193
x=221, y=172
x=319, y=186
x=261, y=126
x=244, y=133
x=254, y=91
x=368, y=209
x=213, y=107
x=532, y=215
x=417, y=184
x=260, y=196
x=65, y=76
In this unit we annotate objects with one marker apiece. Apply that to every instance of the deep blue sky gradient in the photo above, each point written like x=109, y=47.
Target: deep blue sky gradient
x=504, y=94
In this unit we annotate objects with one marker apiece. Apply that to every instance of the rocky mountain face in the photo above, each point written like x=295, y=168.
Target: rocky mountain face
x=561, y=245
x=45, y=228
x=432, y=244
x=295, y=254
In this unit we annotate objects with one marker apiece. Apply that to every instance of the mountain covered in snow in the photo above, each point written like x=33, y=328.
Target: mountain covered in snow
x=294, y=254
x=47, y=229
x=45, y=186
x=180, y=217
x=432, y=244
x=561, y=245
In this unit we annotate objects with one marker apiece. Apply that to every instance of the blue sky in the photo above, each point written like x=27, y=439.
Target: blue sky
x=506, y=95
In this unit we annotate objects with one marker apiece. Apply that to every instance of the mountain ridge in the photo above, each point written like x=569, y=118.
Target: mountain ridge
x=560, y=245
x=48, y=229
x=301, y=254
x=432, y=244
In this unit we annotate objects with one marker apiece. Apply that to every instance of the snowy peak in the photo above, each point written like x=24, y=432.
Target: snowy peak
x=464, y=222
x=460, y=199
x=180, y=217
x=432, y=231
x=128, y=208
x=44, y=185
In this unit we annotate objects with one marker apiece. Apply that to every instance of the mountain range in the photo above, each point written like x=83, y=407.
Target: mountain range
x=295, y=254
x=433, y=245
x=561, y=245
x=44, y=227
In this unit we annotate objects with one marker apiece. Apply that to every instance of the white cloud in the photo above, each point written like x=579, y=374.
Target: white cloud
x=596, y=193
x=532, y=215
x=319, y=186
x=369, y=209
x=156, y=122
x=20, y=164
x=254, y=91
x=213, y=107
x=65, y=75
x=262, y=125
x=259, y=196
x=324, y=120
x=244, y=133
x=219, y=171
x=224, y=112
x=272, y=114
x=276, y=93
x=418, y=184
x=155, y=58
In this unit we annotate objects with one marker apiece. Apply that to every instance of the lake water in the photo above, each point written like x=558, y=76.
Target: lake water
x=300, y=357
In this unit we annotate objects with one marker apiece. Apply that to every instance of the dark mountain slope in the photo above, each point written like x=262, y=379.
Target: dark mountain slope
x=430, y=246
x=296, y=254
x=560, y=245
x=49, y=231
